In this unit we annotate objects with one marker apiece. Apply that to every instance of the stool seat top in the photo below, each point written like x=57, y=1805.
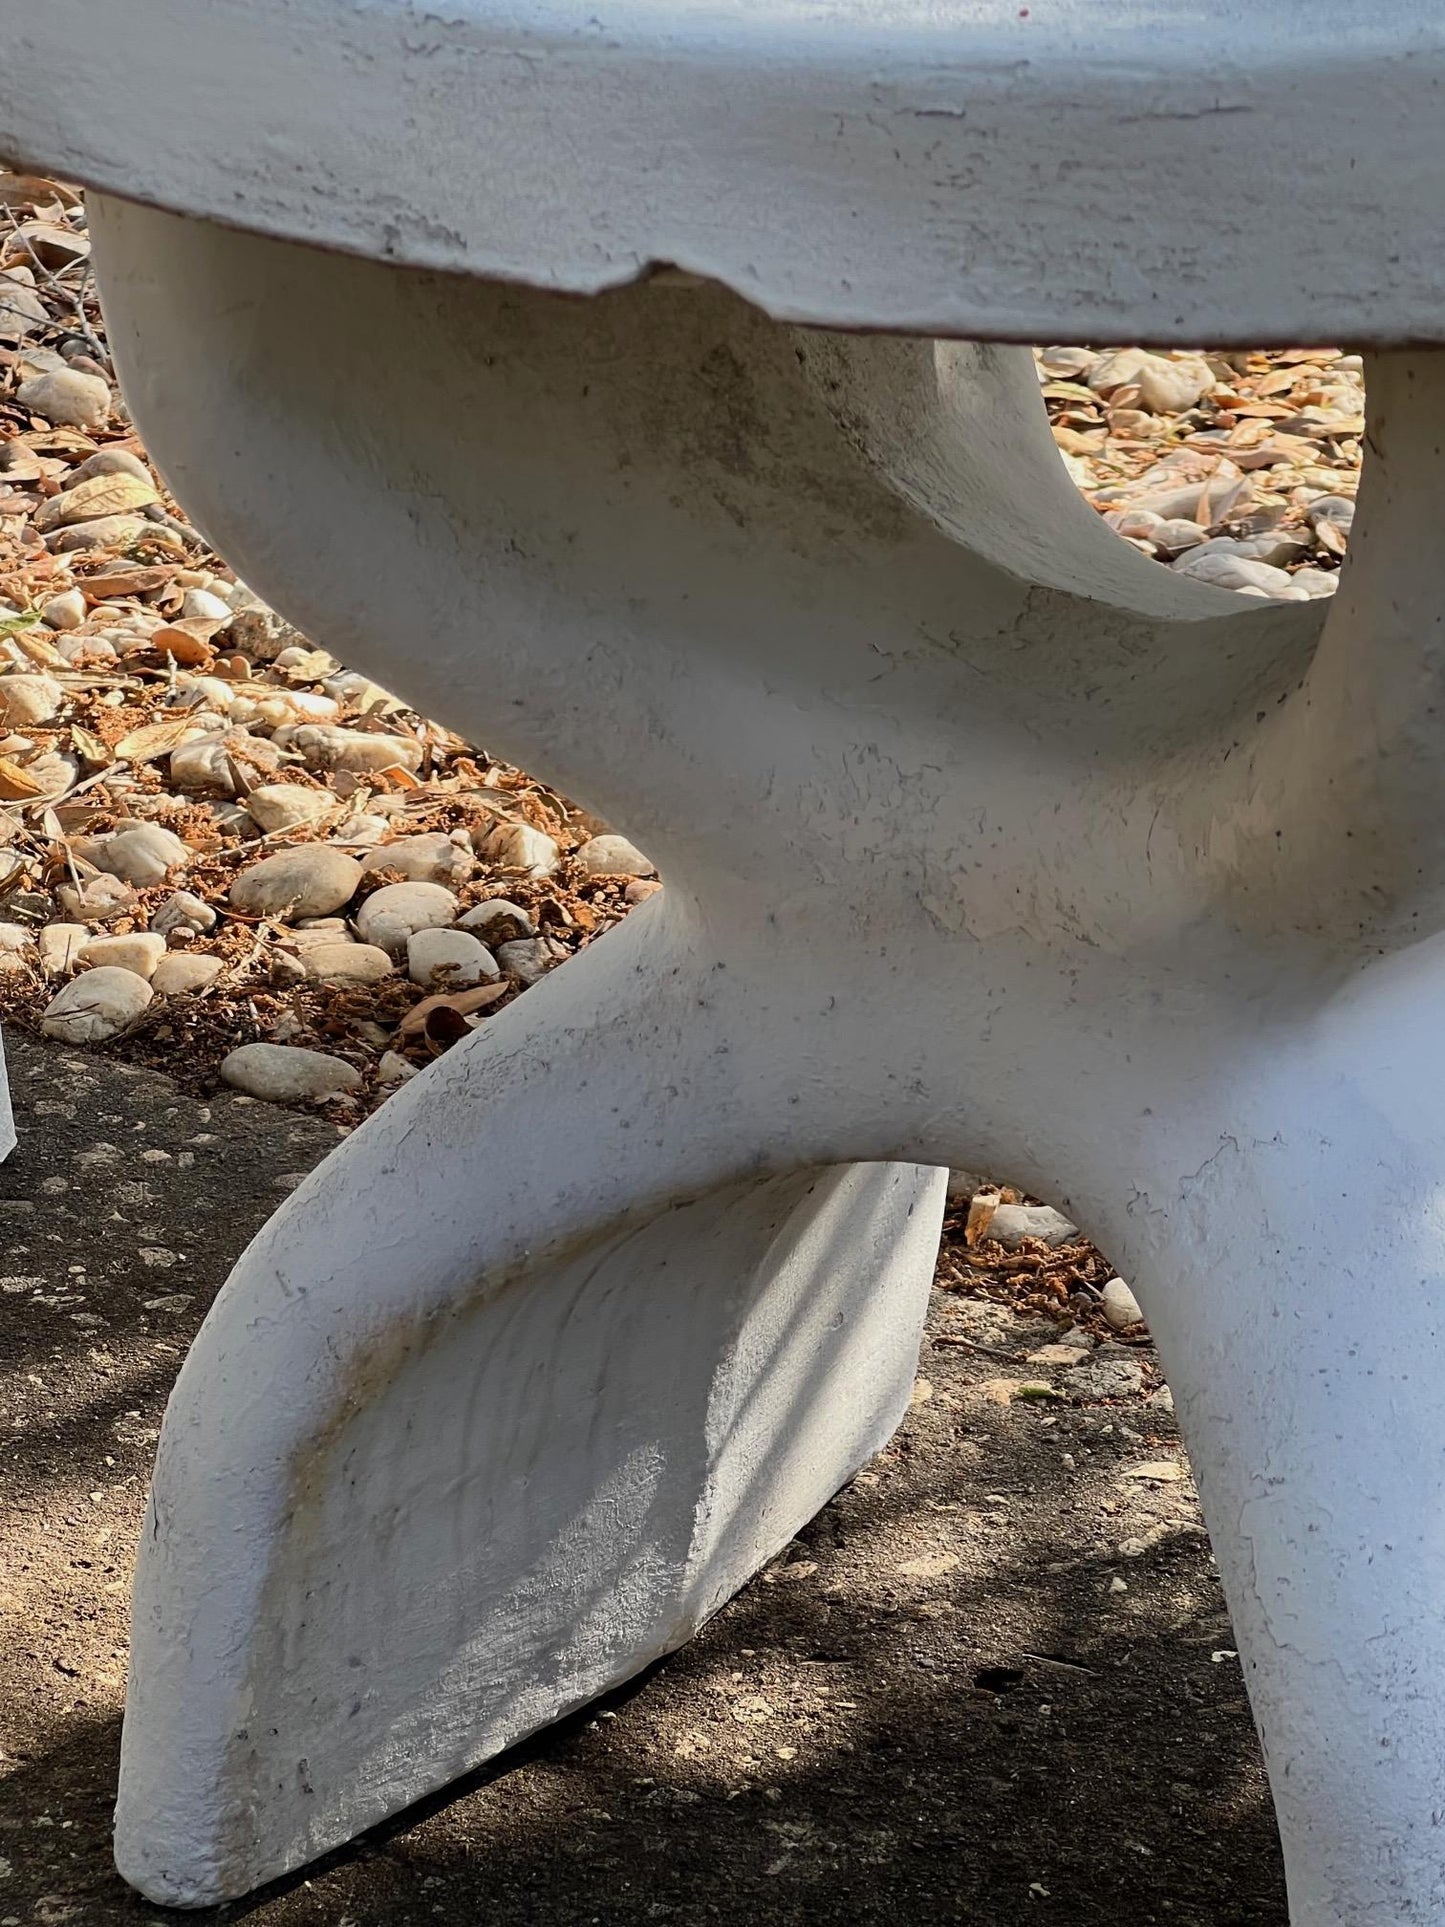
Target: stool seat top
x=1211, y=171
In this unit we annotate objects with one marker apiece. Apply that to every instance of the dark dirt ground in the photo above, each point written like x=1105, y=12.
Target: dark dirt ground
x=935, y=1707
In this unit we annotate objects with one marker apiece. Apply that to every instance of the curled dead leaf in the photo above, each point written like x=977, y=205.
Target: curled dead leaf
x=460, y=1003
x=143, y=745
x=179, y=645
x=109, y=583
x=88, y=745
x=15, y=785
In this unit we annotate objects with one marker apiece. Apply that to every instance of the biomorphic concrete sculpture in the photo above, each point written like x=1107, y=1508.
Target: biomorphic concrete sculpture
x=985, y=841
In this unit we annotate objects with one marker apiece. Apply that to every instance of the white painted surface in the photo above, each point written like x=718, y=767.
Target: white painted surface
x=7, y=1115
x=1170, y=170
x=980, y=849
x=409, y=1506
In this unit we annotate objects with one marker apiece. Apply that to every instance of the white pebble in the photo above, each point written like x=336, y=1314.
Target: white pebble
x=324, y=746
x=1234, y=572
x=1119, y=1305
x=140, y=952
x=613, y=856
x=199, y=605
x=64, y=611
x=29, y=699
x=393, y=913
x=60, y=946
x=67, y=396
x=346, y=963
x=184, y=910
x=311, y=880
x=1012, y=1223
x=431, y=858
x=139, y=853
x=283, y=1073
x=96, y=1006
x=289, y=806
x=517, y=846
x=530, y=958
x=482, y=916
x=185, y=970
x=97, y=900
x=448, y=960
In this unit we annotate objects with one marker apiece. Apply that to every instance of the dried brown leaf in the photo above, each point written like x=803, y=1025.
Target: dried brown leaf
x=177, y=643
x=143, y=745
x=15, y=785
x=463, y=1003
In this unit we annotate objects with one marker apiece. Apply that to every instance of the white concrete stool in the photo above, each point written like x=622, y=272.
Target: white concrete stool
x=985, y=840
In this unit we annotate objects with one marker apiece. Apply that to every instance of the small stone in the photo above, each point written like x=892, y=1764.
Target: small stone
x=307, y=932
x=613, y=856
x=1106, y=1376
x=517, y=846
x=139, y=853
x=1056, y=1355
x=185, y=970
x=498, y=910
x=430, y=858
x=1174, y=536
x=290, y=806
x=393, y=1070
x=200, y=605
x=106, y=531
x=67, y=397
x=21, y=310
x=284, y=1073
x=1116, y=369
x=360, y=693
x=184, y=910
x=1339, y=509
x=209, y=763
x=60, y=945
x=1162, y=1400
x=1315, y=582
x=96, y=1006
x=1116, y=1584
x=361, y=831
x=530, y=958
x=29, y=699
x=1235, y=572
x=1012, y=1223
x=107, y=461
x=326, y=746
x=15, y=937
x=309, y=881
x=1077, y=1339
x=448, y=960
x=64, y=611
x=97, y=900
x=1119, y=1305
x=346, y=963
x=1161, y=1471
x=640, y=889
x=140, y=952
x=1272, y=546
x=1169, y=387
x=396, y=911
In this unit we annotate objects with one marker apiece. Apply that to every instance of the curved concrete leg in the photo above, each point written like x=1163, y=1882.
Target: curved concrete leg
x=476, y=1431
x=982, y=845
